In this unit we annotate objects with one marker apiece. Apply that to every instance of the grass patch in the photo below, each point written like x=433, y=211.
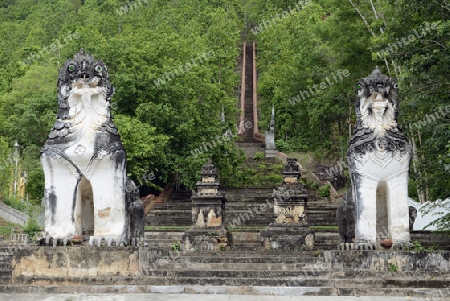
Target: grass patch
x=160, y=228
x=5, y=230
x=260, y=175
x=21, y=206
x=306, y=160
x=325, y=228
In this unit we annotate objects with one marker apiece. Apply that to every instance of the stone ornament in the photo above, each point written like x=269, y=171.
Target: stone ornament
x=378, y=156
x=84, y=160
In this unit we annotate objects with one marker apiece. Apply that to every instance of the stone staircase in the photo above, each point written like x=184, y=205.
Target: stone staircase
x=163, y=239
x=6, y=253
x=306, y=273
x=335, y=273
x=247, y=211
x=176, y=211
x=248, y=207
x=321, y=212
x=251, y=148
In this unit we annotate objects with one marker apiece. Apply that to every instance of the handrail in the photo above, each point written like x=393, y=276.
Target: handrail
x=242, y=96
x=256, y=135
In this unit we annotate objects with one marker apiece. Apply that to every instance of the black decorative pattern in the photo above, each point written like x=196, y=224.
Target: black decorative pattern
x=365, y=139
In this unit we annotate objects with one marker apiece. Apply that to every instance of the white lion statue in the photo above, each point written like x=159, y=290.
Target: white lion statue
x=378, y=156
x=84, y=160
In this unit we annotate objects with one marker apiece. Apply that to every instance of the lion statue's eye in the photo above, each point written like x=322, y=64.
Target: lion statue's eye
x=71, y=67
x=98, y=68
x=395, y=86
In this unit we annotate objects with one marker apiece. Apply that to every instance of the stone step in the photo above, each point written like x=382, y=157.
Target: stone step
x=233, y=274
x=245, y=248
x=245, y=235
x=163, y=240
x=255, y=257
x=248, y=200
x=164, y=234
x=6, y=273
x=224, y=289
x=5, y=263
x=241, y=266
x=231, y=256
x=168, y=221
x=172, y=207
x=185, y=195
x=296, y=280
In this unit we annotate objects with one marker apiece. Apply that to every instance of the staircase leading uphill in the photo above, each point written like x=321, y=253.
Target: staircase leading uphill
x=250, y=148
x=176, y=211
x=247, y=211
x=248, y=207
x=321, y=212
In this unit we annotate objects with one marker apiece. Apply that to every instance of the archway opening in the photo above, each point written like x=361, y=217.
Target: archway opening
x=382, y=213
x=85, y=215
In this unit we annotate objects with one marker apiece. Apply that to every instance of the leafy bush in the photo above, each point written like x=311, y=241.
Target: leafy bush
x=283, y=146
x=6, y=230
x=32, y=228
x=324, y=191
x=259, y=156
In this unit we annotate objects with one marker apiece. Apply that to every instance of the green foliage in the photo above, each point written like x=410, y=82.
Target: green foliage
x=260, y=176
x=32, y=228
x=160, y=123
x=300, y=50
x=163, y=123
x=441, y=208
x=259, y=156
x=19, y=205
x=176, y=246
x=324, y=190
x=5, y=230
x=392, y=268
x=417, y=246
x=325, y=228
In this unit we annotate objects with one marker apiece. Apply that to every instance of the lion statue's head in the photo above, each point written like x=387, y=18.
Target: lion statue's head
x=84, y=94
x=376, y=109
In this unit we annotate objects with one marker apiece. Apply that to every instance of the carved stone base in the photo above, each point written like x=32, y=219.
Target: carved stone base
x=288, y=237
x=205, y=239
x=271, y=153
x=347, y=246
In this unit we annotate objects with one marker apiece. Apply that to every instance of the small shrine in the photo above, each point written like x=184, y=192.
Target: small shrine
x=289, y=230
x=208, y=209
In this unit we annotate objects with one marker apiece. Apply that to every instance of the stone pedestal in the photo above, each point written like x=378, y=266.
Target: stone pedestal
x=208, y=211
x=289, y=231
x=271, y=151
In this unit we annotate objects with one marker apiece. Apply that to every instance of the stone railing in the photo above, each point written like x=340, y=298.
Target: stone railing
x=19, y=238
x=12, y=215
